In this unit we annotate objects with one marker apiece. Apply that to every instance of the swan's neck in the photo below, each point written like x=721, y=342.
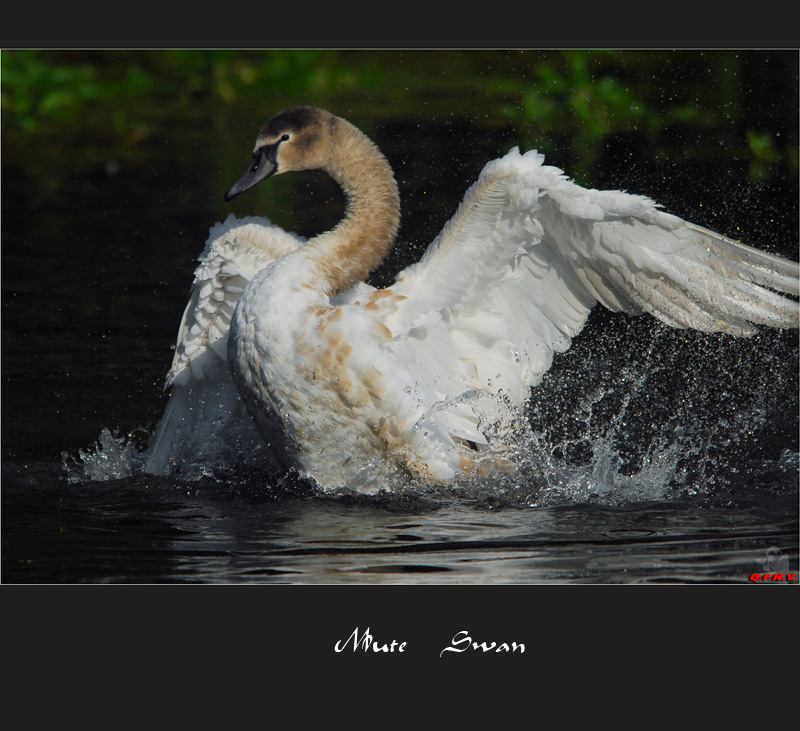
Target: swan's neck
x=364, y=237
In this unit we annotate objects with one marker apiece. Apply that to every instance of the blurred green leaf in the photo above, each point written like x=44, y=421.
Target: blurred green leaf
x=575, y=101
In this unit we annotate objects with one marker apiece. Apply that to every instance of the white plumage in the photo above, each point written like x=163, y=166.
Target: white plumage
x=205, y=420
x=354, y=386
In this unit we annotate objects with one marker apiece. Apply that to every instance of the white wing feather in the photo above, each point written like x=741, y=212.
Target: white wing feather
x=512, y=278
x=205, y=415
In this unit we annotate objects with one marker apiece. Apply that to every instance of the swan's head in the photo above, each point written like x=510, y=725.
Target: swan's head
x=295, y=139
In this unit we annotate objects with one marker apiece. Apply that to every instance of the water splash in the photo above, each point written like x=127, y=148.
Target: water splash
x=643, y=414
x=664, y=415
x=112, y=457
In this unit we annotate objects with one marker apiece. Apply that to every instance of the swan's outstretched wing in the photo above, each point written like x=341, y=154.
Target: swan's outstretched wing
x=205, y=414
x=514, y=274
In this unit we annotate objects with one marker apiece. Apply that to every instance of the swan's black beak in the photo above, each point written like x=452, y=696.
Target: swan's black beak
x=264, y=165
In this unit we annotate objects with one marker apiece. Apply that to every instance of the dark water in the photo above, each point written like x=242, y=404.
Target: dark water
x=658, y=456
x=143, y=530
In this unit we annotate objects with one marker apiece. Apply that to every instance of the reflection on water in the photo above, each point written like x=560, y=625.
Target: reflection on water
x=134, y=530
x=654, y=455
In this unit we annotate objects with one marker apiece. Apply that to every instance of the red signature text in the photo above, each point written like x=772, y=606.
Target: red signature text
x=792, y=578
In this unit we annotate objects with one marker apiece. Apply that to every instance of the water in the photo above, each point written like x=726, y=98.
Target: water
x=653, y=455
x=149, y=530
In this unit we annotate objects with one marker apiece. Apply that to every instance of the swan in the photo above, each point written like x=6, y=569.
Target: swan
x=284, y=344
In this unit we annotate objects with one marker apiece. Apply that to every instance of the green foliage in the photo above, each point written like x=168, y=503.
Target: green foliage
x=686, y=102
x=34, y=90
x=229, y=75
x=763, y=153
x=40, y=94
x=577, y=95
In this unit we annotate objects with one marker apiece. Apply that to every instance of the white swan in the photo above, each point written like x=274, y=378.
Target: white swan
x=351, y=385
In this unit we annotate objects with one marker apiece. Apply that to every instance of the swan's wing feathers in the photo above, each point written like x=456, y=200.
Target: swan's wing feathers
x=491, y=224
x=684, y=275
x=235, y=252
x=493, y=281
x=757, y=266
x=203, y=421
x=514, y=274
x=488, y=305
x=205, y=416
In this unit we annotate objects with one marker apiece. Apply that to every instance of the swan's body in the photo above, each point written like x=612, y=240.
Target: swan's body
x=353, y=385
